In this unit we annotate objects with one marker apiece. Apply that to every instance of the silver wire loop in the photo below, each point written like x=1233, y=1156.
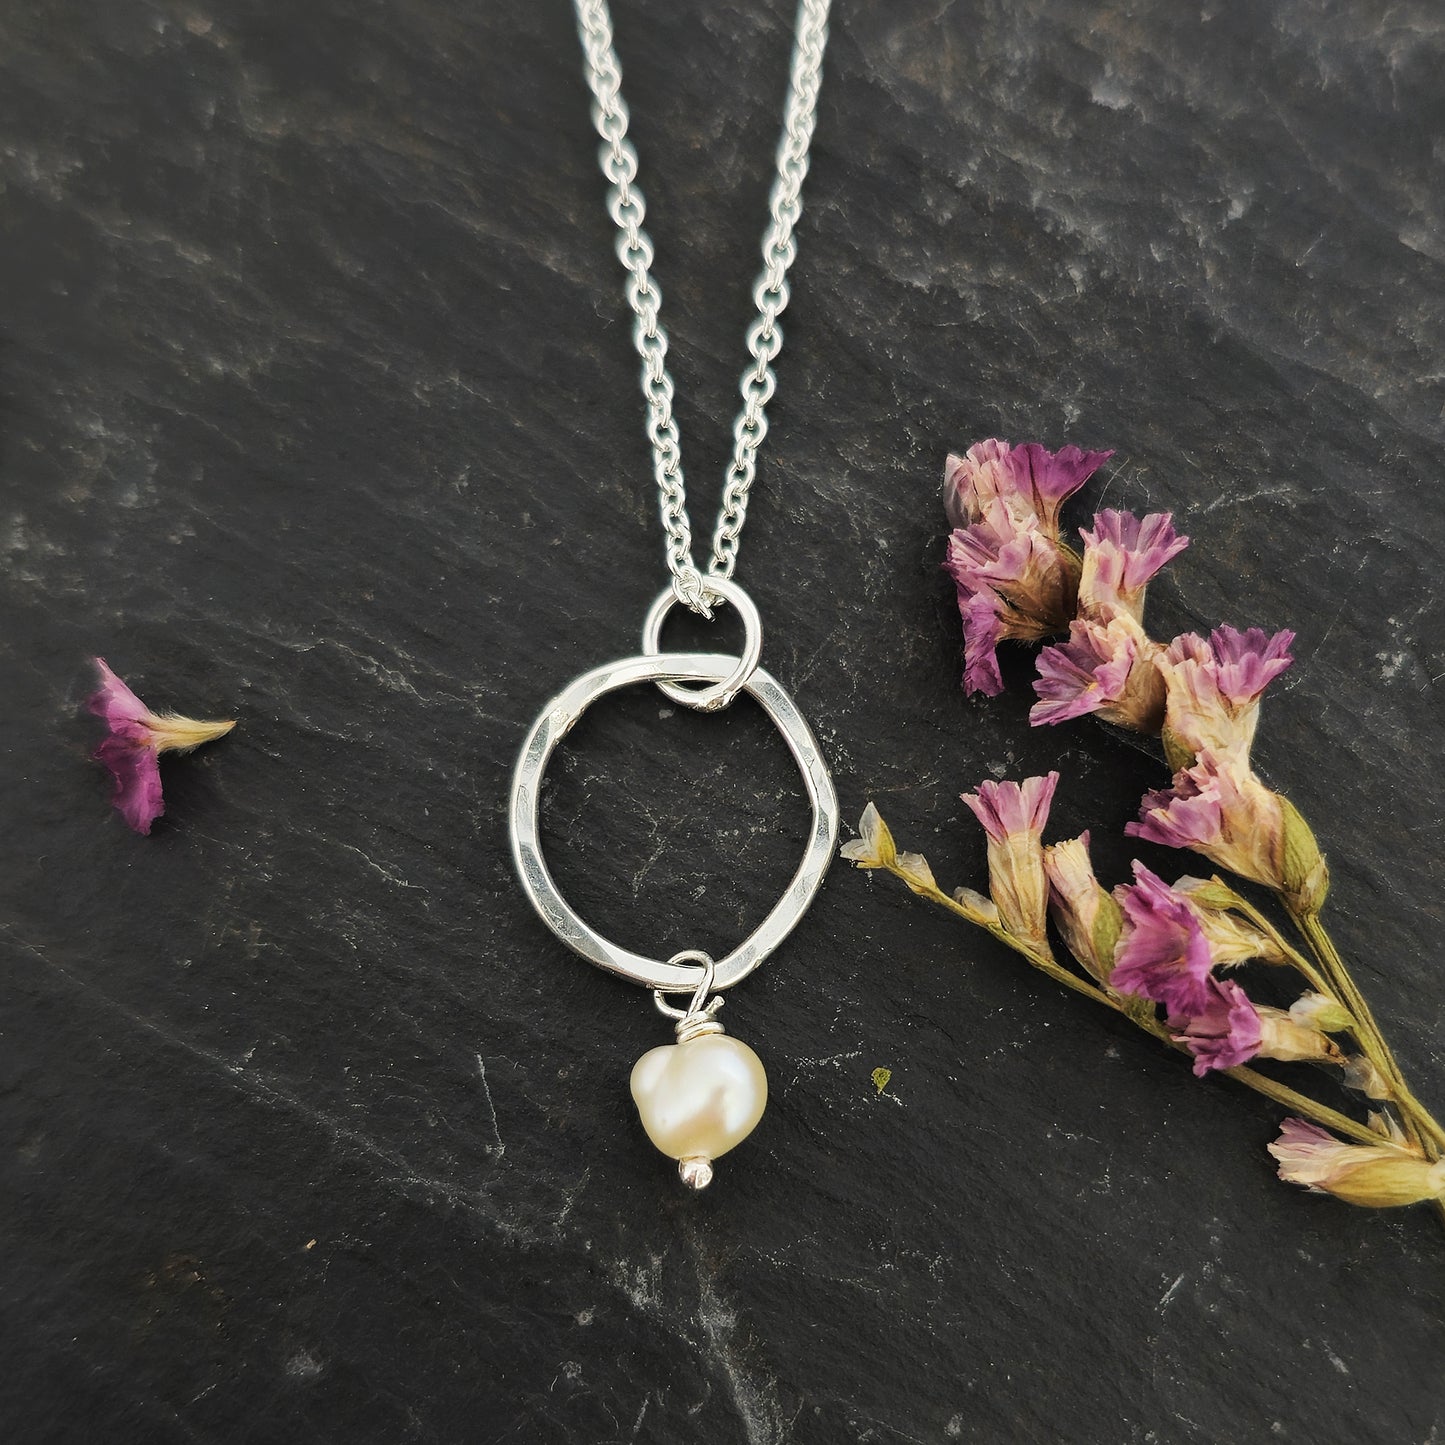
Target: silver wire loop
x=720, y=694
x=558, y=718
x=699, y=1017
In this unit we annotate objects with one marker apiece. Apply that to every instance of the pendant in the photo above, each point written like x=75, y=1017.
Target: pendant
x=701, y=1096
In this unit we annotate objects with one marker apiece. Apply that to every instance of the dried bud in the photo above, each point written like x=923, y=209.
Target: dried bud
x=913, y=869
x=1283, y=1036
x=1360, y=1073
x=981, y=910
x=1305, y=878
x=1232, y=939
x=1319, y=1011
x=1379, y=1176
x=873, y=847
x=1085, y=911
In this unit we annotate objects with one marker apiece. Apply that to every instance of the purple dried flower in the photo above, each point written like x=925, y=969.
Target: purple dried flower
x=1169, y=950
x=1162, y=953
x=1028, y=480
x=984, y=627
x=1224, y=1033
x=1086, y=674
x=1219, y=808
x=1013, y=815
x=1106, y=669
x=1008, y=808
x=1048, y=478
x=1013, y=583
x=136, y=739
x=1121, y=555
x=1015, y=578
x=972, y=482
x=1214, y=687
x=1247, y=662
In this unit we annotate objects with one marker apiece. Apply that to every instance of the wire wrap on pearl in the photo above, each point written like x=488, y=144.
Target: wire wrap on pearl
x=699, y=1018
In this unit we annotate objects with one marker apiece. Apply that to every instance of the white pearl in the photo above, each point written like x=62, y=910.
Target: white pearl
x=699, y=1099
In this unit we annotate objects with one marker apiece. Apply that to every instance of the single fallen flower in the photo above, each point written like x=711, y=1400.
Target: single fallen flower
x=136, y=739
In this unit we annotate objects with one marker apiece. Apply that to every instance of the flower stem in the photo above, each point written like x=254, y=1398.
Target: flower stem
x=1045, y=962
x=1302, y=965
x=1281, y=1093
x=1322, y=1114
x=1416, y=1117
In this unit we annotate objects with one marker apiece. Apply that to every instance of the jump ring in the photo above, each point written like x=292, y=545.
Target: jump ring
x=718, y=695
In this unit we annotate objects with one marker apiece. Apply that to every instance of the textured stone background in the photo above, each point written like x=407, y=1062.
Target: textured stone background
x=317, y=408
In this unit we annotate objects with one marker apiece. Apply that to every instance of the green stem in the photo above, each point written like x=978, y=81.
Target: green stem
x=1302, y=965
x=1292, y=1099
x=1322, y=1114
x=1416, y=1117
x=1045, y=962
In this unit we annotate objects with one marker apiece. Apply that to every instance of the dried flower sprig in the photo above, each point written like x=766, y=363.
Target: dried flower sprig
x=1164, y=956
x=135, y=739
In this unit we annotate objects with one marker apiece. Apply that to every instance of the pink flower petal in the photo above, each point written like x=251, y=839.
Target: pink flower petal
x=972, y=481
x=1048, y=478
x=1225, y=1033
x=1188, y=815
x=1309, y=1155
x=1081, y=675
x=1121, y=555
x=1005, y=808
x=136, y=739
x=114, y=701
x=1220, y=808
x=1012, y=583
x=1247, y=662
x=134, y=766
x=983, y=630
x=1162, y=952
x=1029, y=482
x=1214, y=687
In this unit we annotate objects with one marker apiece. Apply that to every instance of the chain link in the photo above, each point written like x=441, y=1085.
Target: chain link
x=625, y=204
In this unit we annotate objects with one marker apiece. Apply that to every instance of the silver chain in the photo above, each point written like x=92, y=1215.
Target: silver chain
x=618, y=158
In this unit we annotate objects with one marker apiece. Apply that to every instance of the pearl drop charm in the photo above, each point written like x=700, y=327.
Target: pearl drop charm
x=699, y=1098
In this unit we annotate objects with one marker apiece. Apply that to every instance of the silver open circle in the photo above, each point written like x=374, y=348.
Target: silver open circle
x=718, y=696
x=557, y=719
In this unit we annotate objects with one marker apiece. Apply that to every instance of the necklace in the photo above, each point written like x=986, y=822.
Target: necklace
x=704, y=1094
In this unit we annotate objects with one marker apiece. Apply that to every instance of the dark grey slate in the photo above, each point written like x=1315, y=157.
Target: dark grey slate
x=317, y=408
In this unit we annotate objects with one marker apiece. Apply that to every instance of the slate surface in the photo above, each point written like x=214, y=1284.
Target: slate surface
x=318, y=409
